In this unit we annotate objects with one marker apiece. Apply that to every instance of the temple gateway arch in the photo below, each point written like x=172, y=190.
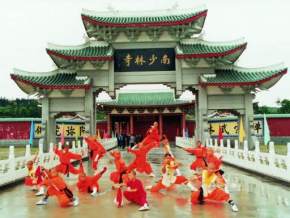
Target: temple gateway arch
x=157, y=47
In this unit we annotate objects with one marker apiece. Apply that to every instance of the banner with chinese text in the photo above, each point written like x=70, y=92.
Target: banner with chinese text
x=155, y=59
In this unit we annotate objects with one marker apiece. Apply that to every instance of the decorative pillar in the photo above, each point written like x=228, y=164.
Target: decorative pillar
x=183, y=124
x=109, y=124
x=160, y=124
x=48, y=123
x=131, y=124
x=90, y=122
x=248, y=119
x=201, y=116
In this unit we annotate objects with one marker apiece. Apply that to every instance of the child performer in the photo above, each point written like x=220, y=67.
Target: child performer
x=135, y=191
x=56, y=186
x=34, y=177
x=214, y=187
x=120, y=166
x=169, y=175
x=97, y=150
x=90, y=184
x=65, y=157
x=166, y=146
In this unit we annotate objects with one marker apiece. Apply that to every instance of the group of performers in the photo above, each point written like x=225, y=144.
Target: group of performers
x=206, y=184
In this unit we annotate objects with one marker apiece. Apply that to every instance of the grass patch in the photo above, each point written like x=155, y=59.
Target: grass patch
x=19, y=151
x=279, y=149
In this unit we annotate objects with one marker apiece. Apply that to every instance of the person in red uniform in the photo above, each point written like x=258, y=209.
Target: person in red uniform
x=152, y=138
x=120, y=166
x=89, y=184
x=135, y=191
x=140, y=163
x=213, y=186
x=200, y=153
x=65, y=158
x=170, y=176
x=56, y=186
x=97, y=150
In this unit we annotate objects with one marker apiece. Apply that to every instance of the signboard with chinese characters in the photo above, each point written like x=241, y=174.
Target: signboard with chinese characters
x=231, y=128
x=70, y=130
x=155, y=59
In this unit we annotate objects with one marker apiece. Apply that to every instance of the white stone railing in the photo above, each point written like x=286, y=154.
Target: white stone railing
x=14, y=169
x=184, y=142
x=269, y=164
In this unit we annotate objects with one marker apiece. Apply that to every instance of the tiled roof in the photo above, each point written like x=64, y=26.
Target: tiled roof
x=57, y=79
x=145, y=99
x=232, y=76
x=90, y=51
x=193, y=48
x=143, y=18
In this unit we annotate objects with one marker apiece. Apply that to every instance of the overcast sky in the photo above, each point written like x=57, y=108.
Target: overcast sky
x=27, y=26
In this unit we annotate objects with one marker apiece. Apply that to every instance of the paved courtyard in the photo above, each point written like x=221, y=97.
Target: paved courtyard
x=255, y=196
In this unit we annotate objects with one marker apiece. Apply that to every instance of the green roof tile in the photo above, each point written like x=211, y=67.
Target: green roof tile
x=52, y=80
x=90, y=49
x=146, y=99
x=142, y=17
x=197, y=48
x=232, y=75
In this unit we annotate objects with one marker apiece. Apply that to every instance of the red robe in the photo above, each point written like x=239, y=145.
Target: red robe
x=120, y=167
x=139, y=197
x=200, y=154
x=87, y=183
x=57, y=187
x=152, y=138
x=140, y=162
x=65, y=165
x=97, y=149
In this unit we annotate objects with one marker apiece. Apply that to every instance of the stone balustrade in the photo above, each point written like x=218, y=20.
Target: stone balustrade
x=269, y=164
x=14, y=168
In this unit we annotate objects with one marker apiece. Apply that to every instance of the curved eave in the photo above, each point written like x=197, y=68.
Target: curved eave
x=27, y=88
x=235, y=51
x=18, y=80
x=78, y=58
x=92, y=21
x=265, y=83
x=147, y=106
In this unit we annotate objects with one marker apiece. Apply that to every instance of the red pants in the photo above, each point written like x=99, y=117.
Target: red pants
x=144, y=167
x=218, y=195
x=66, y=168
x=159, y=185
x=137, y=198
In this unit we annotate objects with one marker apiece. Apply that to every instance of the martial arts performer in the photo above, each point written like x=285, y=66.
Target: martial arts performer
x=135, y=191
x=56, y=186
x=170, y=176
x=65, y=157
x=89, y=184
x=214, y=186
x=97, y=150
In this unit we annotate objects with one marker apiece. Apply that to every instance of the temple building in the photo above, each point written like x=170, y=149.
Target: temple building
x=155, y=47
x=133, y=112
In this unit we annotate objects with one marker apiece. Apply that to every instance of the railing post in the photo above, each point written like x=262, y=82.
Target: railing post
x=236, y=149
x=246, y=147
x=222, y=143
x=59, y=146
x=228, y=143
x=288, y=158
x=51, y=146
x=40, y=153
x=215, y=142
x=73, y=146
x=211, y=142
x=271, y=154
x=257, y=151
x=27, y=152
x=11, y=158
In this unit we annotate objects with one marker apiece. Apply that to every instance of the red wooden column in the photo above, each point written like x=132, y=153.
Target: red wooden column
x=131, y=124
x=160, y=125
x=109, y=124
x=183, y=123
